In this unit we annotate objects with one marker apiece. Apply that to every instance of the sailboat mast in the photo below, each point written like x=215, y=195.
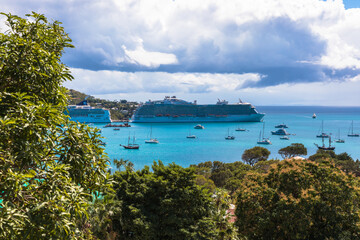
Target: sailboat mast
x=263, y=130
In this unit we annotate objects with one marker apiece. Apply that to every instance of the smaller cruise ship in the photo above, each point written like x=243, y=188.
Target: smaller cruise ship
x=83, y=112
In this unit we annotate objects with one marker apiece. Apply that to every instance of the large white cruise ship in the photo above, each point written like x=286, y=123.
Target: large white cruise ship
x=84, y=113
x=172, y=109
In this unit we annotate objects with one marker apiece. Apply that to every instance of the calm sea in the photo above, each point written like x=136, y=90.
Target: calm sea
x=210, y=144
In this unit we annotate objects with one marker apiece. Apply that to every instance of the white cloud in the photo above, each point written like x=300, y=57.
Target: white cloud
x=102, y=82
x=206, y=88
x=148, y=59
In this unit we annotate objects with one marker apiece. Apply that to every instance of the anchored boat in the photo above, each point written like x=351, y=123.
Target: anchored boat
x=172, y=109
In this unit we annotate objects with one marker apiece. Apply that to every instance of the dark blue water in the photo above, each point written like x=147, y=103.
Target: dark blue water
x=212, y=146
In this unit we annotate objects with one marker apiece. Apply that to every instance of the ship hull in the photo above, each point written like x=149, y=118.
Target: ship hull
x=91, y=119
x=231, y=118
x=89, y=115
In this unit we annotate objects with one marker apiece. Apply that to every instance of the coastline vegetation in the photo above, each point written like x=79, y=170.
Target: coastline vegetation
x=55, y=181
x=121, y=110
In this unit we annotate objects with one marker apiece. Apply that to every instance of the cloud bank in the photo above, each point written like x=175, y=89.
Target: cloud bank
x=280, y=42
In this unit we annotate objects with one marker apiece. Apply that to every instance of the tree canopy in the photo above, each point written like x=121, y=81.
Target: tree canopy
x=50, y=167
x=299, y=199
x=295, y=149
x=163, y=204
x=255, y=154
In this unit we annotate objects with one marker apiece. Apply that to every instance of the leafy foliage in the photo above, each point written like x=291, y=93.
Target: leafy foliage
x=343, y=160
x=50, y=167
x=299, y=199
x=163, y=204
x=255, y=154
x=223, y=175
x=295, y=149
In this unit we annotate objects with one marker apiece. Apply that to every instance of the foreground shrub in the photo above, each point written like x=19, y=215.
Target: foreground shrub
x=299, y=199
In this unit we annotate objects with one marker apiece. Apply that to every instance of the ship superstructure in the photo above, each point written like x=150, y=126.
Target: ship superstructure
x=84, y=113
x=172, y=109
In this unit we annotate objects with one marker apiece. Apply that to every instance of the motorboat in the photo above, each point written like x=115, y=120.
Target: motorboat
x=199, y=126
x=281, y=126
x=280, y=131
x=190, y=136
x=284, y=138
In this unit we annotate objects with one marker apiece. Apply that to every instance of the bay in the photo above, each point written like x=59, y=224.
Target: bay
x=210, y=144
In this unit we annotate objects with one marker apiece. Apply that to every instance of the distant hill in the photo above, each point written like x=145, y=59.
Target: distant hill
x=119, y=109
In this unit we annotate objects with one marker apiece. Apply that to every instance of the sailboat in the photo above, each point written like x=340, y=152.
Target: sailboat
x=229, y=137
x=352, y=134
x=263, y=140
x=339, y=140
x=323, y=147
x=322, y=134
x=152, y=140
x=190, y=136
x=132, y=145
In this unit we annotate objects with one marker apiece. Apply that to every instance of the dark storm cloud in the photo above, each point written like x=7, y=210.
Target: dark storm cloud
x=277, y=47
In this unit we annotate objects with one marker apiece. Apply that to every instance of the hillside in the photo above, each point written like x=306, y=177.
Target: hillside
x=119, y=109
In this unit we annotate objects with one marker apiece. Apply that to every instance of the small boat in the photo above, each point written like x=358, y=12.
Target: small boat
x=351, y=133
x=323, y=147
x=199, y=126
x=190, y=136
x=263, y=140
x=284, y=138
x=132, y=145
x=280, y=131
x=240, y=129
x=322, y=134
x=126, y=124
x=281, y=126
x=116, y=129
x=314, y=115
x=229, y=137
x=152, y=140
x=339, y=140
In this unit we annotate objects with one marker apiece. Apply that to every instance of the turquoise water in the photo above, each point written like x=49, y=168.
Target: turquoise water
x=210, y=144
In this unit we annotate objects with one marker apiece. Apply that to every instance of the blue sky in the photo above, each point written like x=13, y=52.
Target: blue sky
x=279, y=52
x=351, y=4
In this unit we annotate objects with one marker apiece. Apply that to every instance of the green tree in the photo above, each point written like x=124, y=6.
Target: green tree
x=299, y=199
x=163, y=204
x=343, y=160
x=50, y=168
x=255, y=154
x=295, y=149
